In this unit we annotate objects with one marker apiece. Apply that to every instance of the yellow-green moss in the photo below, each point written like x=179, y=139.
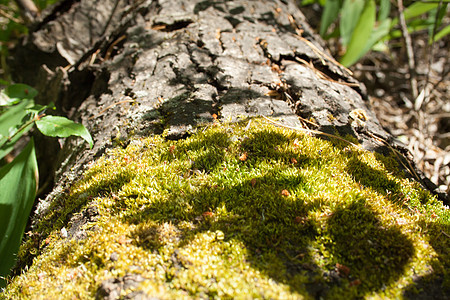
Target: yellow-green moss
x=244, y=212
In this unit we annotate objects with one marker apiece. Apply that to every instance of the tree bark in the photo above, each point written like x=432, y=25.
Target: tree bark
x=146, y=66
x=127, y=69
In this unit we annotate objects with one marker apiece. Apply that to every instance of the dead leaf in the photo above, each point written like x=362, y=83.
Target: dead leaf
x=343, y=270
x=285, y=193
x=208, y=214
x=355, y=282
x=243, y=157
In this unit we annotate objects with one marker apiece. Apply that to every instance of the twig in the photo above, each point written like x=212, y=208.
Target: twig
x=311, y=131
x=396, y=152
x=111, y=106
x=322, y=75
x=28, y=10
x=431, y=54
x=8, y=16
x=314, y=48
x=409, y=50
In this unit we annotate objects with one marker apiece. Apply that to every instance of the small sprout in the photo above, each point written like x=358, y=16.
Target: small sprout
x=172, y=148
x=253, y=182
x=293, y=160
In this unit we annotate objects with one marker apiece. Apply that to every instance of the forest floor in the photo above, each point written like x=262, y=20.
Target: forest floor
x=422, y=123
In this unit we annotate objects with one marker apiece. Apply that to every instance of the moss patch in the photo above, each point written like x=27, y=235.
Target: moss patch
x=242, y=211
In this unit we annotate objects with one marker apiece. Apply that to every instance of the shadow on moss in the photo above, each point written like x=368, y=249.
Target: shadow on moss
x=276, y=226
x=434, y=286
x=283, y=197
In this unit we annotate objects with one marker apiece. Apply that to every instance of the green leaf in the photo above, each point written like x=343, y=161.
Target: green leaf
x=350, y=17
x=435, y=17
x=416, y=9
x=329, y=15
x=377, y=34
x=445, y=31
x=63, y=127
x=13, y=117
x=8, y=146
x=18, y=184
x=385, y=9
x=20, y=91
x=361, y=35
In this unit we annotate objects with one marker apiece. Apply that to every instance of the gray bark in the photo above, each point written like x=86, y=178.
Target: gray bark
x=134, y=68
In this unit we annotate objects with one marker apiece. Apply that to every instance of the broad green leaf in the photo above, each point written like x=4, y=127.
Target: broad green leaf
x=13, y=117
x=63, y=127
x=20, y=91
x=377, y=34
x=18, y=184
x=350, y=17
x=329, y=15
x=361, y=35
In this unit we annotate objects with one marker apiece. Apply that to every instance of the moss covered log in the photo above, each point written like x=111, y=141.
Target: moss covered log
x=243, y=210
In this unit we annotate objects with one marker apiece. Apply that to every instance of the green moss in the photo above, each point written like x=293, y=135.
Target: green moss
x=244, y=212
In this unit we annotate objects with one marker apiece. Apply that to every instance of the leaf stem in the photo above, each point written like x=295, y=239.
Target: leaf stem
x=29, y=122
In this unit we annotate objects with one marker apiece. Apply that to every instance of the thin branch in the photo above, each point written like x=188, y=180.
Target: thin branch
x=409, y=50
x=8, y=16
x=28, y=10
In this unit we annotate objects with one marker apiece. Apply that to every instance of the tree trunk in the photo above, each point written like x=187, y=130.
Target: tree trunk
x=129, y=69
x=141, y=67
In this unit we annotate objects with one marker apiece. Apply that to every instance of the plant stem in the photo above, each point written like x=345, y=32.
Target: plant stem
x=34, y=119
x=409, y=50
